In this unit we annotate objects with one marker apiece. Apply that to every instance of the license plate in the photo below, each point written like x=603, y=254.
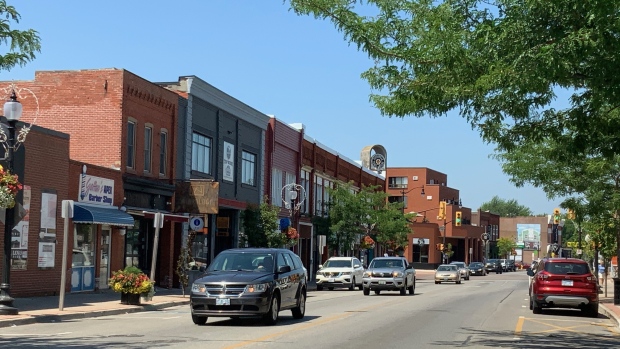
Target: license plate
x=222, y=301
x=330, y=280
x=381, y=282
x=567, y=282
x=445, y=279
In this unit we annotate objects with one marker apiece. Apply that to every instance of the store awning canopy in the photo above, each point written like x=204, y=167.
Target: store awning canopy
x=101, y=215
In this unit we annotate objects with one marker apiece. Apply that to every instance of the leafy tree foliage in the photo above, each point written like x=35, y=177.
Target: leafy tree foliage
x=505, y=208
x=505, y=246
x=20, y=45
x=260, y=226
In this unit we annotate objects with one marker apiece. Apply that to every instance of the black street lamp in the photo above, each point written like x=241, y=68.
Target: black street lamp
x=403, y=192
x=12, y=113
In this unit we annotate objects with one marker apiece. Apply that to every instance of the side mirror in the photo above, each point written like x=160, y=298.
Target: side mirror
x=530, y=272
x=320, y=266
x=356, y=266
x=410, y=266
x=284, y=269
x=202, y=268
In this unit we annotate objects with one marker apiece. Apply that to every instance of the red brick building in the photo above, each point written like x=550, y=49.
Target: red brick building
x=422, y=189
x=123, y=125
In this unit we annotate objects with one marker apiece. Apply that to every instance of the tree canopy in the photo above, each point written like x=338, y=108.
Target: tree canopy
x=20, y=45
x=505, y=208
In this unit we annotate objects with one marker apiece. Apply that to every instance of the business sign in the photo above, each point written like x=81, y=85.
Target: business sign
x=228, y=163
x=196, y=196
x=96, y=190
x=528, y=235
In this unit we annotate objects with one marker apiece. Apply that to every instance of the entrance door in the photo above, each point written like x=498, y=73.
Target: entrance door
x=104, y=255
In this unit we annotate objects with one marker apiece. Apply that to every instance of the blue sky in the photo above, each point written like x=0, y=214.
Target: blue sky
x=296, y=68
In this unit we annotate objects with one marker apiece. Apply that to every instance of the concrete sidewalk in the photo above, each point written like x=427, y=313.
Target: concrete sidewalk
x=104, y=303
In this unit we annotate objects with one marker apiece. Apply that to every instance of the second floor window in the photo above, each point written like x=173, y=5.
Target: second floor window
x=163, y=153
x=276, y=187
x=248, y=168
x=131, y=144
x=397, y=182
x=148, y=141
x=201, y=153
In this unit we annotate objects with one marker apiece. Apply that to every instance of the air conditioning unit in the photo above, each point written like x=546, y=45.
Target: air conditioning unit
x=415, y=178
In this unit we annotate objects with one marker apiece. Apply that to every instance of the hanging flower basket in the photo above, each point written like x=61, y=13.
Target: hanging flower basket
x=367, y=243
x=9, y=187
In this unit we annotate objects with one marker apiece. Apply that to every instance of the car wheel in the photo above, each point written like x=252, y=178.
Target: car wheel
x=458, y=282
x=412, y=287
x=366, y=291
x=403, y=290
x=272, y=315
x=300, y=310
x=330, y=288
x=352, y=287
x=536, y=309
x=319, y=288
x=361, y=286
x=437, y=282
x=591, y=310
x=467, y=278
x=531, y=306
x=377, y=291
x=199, y=320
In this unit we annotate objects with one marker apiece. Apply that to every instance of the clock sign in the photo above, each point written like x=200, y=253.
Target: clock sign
x=378, y=161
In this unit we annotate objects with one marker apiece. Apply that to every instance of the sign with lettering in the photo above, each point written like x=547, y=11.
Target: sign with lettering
x=196, y=197
x=96, y=190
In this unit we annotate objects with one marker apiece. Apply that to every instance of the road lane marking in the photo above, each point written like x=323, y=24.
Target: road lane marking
x=519, y=327
x=33, y=334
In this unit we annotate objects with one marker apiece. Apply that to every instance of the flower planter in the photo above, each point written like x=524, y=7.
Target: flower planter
x=130, y=298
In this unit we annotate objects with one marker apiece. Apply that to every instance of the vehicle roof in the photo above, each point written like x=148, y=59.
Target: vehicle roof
x=395, y=257
x=256, y=249
x=564, y=260
x=448, y=265
x=341, y=258
x=456, y=262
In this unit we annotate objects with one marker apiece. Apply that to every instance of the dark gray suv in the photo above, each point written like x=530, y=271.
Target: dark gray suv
x=250, y=282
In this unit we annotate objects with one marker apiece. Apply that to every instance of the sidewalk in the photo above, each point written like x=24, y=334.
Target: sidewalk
x=104, y=303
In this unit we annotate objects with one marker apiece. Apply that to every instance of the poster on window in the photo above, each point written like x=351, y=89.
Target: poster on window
x=229, y=162
x=19, y=234
x=47, y=230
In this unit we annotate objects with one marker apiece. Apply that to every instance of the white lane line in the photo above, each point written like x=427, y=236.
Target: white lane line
x=33, y=335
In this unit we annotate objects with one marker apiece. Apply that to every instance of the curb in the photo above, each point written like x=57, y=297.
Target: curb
x=610, y=314
x=28, y=319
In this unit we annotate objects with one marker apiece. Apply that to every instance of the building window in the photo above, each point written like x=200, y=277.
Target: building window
x=163, y=152
x=248, y=168
x=397, y=182
x=305, y=183
x=318, y=196
x=201, y=153
x=276, y=187
x=148, y=143
x=131, y=144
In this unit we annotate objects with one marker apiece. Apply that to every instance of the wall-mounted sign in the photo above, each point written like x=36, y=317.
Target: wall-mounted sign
x=228, y=163
x=196, y=197
x=196, y=223
x=96, y=190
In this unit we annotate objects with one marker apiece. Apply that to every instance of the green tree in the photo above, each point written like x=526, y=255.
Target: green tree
x=505, y=208
x=20, y=45
x=393, y=227
x=260, y=225
x=505, y=246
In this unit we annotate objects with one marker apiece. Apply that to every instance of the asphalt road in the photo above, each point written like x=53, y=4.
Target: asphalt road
x=485, y=312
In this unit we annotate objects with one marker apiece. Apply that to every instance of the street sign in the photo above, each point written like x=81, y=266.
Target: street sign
x=196, y=223
x=555, y=247
x=421, y=242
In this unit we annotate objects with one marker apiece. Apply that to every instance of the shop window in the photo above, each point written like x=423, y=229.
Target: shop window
x=83, y=246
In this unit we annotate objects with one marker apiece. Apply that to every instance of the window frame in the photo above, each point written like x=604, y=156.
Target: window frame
x=148, y=148
x=206, y=163
x=248, y=164
x=163, y=152
x=131, y=145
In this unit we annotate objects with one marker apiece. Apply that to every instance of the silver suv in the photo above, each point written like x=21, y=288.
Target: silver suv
x=389, y=274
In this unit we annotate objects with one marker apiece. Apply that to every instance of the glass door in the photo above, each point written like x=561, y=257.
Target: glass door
x=104, y=253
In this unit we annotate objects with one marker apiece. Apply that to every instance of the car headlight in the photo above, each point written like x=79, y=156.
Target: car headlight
x=367, y=274
x=454, y=274
x=199, y=288
x=346, y=273
x=256, y=288
x=319, y=273
x=397, y=273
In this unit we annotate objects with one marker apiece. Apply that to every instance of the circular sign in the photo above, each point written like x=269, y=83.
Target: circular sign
x=196, y=223
x=555, y=247
x=378, y=161
x=485, y=236
x=421, y=242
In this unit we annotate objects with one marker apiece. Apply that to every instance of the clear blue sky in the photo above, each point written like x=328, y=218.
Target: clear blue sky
x=296, y=68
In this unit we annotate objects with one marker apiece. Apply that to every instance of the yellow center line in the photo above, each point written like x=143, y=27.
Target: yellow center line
x=306, y=326
x=519, y=327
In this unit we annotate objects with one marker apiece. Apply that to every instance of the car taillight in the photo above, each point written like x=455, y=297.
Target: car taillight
x=543, y=276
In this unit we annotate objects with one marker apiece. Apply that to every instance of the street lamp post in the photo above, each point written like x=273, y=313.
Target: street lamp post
x=403, y=192
x=10, y=143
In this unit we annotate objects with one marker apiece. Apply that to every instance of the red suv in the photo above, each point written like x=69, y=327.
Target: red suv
x=563, y=283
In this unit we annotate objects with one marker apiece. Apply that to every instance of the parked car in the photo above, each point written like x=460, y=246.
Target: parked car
x=340, y=272
x=447, y=273
x=250, y=282
x=462, y=269
x=490, y=265
x=509, y=265
x=477, y=268
x=389, y=274
x=563, y=283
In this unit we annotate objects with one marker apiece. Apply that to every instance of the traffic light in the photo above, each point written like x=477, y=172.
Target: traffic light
x=556, y=216
x=458, y=219
x=438, y=246
x=442, y=210
x=571, y=214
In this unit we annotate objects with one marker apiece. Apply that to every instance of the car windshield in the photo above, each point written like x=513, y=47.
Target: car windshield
x=337, y=263
x=475, y=265
x=460, y=265
x=492, y=261
x=567, y=268
x=446, y=268
x=242, y=261
x=386, y=263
